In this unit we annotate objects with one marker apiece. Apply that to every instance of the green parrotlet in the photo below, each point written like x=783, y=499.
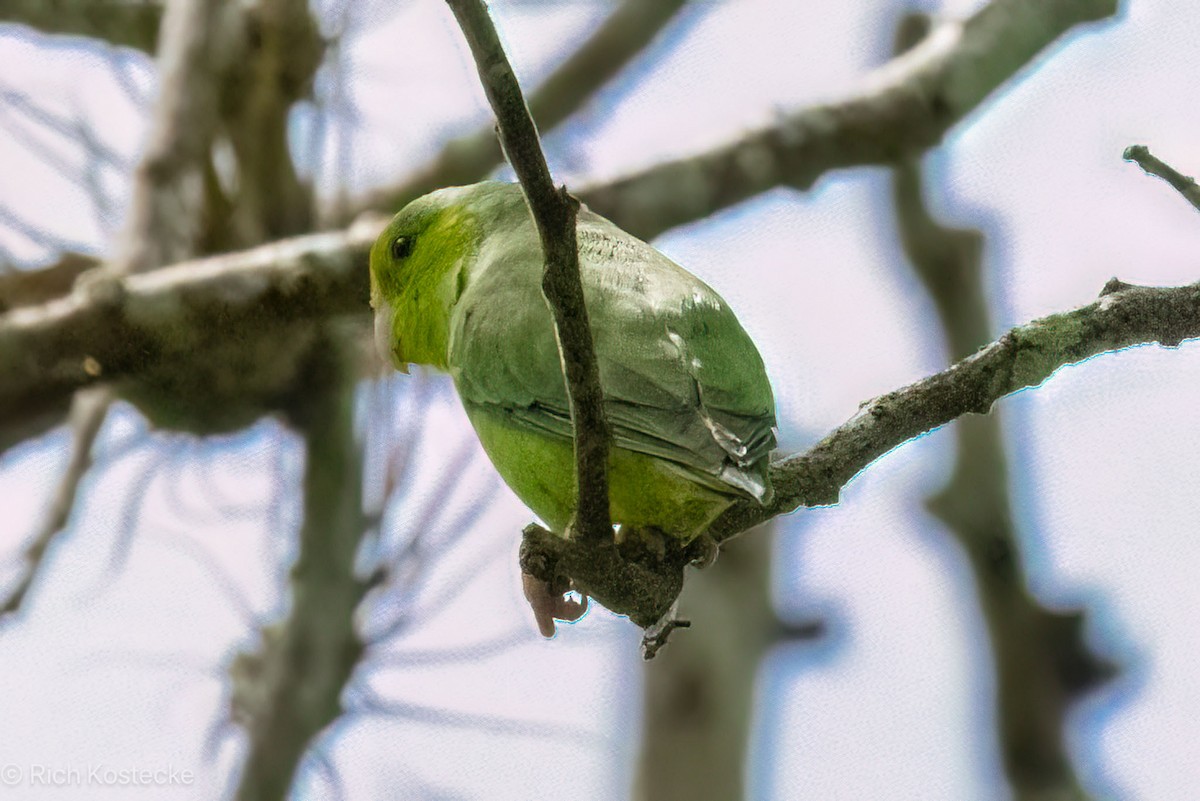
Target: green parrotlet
x=456, y=284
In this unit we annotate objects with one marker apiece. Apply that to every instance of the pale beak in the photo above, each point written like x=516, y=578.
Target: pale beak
x=385, y=341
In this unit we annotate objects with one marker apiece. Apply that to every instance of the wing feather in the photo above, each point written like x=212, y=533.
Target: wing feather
x=682, y=380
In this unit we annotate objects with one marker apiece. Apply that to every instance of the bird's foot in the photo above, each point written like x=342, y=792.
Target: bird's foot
x=640, y=577
x=642, y=543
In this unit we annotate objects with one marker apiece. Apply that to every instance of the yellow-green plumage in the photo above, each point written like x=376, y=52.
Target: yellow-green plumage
x=456, y=283
x=643, y=490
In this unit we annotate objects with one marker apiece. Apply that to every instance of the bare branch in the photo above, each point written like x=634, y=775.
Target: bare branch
x=164, y=223
x=286, y=694
x=132, y=23
x=1040, y=659
x=1183, y=184
x=88, y=412
x=36, y=286
x=622, y=36
x=907, y=107
x=698, y=696
x=554, y=212
x=161, y=227
x=1024, y=357
x=282, y=53
x=126, y=324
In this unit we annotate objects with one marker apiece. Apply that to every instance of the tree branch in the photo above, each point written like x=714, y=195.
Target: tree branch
x=164, y=224
x=622, y=36
x=1024, y=357
x=268, y=199
x=289, y=691
x=122, y=324
x=132, y=23
x=1183, y=184
x=31, y=287
x=127, y=325
x=906, y=108
x=554, y=212
x=89, y=409
x=1039, y=655
x=161, y=226
x=698, y=695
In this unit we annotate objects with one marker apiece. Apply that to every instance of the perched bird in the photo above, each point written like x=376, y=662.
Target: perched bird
x=456, y=284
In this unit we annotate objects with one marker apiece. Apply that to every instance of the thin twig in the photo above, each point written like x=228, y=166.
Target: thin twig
x=1152, y=165
x=88, y=412
x=554, y=212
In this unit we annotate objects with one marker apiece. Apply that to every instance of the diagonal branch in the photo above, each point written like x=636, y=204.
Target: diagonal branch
x=554, y=212
x=89, y=408
x=1152, y=165
x=1124, y=316
x=622, y=36
x=907, y=107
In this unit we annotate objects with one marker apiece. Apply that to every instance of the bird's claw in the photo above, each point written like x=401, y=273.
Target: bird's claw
x=656, y=636
x=702, y=551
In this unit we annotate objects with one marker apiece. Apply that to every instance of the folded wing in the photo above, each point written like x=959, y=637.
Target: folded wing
x=682, y=380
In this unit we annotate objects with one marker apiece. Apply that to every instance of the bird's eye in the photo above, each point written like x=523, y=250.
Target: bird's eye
x=402, y=246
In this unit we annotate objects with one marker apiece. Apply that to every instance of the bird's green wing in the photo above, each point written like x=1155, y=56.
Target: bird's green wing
x=682, y=380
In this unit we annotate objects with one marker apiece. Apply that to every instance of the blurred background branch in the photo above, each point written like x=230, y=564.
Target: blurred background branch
x=698, y=694
x=908, y=107
x=290, y=690
x=1041, y=660
x=616, y=43
x=88, y=410
x=132, y=326
x=129, y=23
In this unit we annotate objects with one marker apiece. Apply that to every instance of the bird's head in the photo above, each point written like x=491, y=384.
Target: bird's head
x=418, y=270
